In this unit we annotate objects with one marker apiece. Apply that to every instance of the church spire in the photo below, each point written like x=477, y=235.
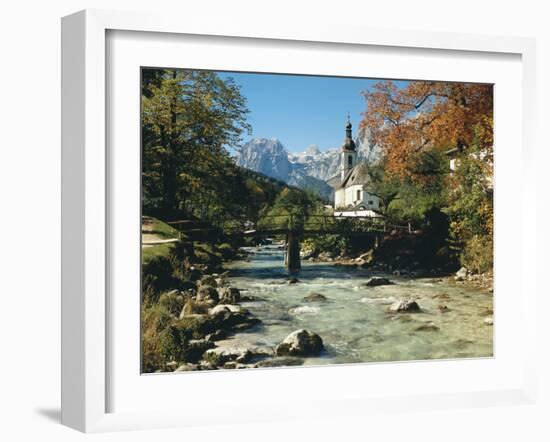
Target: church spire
x=349, y=144
x=349, y=155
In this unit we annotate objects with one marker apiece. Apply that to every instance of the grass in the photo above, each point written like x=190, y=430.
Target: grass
x=148, y=253
x=154, y=226
x=159, y=228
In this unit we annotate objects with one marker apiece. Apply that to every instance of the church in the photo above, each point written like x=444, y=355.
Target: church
x=351, y=185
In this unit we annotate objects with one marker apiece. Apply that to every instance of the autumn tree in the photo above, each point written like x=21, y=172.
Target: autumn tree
x=427, y=115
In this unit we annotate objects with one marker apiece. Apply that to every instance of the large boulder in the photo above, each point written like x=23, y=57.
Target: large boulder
x=404, y=306
x=376, y=281
x=208, y=294
x=300, y=343
x=229, y=295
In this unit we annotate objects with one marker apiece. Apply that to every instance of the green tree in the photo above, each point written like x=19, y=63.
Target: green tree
x=188, y=120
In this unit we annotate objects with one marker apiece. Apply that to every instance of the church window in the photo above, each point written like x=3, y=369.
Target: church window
x=371, y=202
x=358, y=194
x=350, y=161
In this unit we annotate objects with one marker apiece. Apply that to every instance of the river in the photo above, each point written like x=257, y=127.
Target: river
x=353, y=322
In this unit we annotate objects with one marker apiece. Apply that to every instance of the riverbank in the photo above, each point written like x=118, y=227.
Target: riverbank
x=253, y=313
x=413, y=255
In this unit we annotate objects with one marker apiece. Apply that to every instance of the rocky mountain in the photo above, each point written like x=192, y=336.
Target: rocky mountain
x=326, y=165
x=309, y=169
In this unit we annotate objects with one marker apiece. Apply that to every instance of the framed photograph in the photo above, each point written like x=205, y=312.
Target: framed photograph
x=292, y=221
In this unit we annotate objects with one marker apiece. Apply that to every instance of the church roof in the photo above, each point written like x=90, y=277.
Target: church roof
x=357, y=175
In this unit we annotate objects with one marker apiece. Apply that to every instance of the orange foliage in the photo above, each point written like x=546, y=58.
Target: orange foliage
x=427, y=114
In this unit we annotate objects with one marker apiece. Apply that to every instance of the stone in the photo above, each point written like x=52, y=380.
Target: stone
x=315, y=297
x=195, y=349
x=207, y=294
x=442, y=308
x=304, y=310
x=461, y=274
x=227, y=307
x=404, y=306
x=376, y=281
x=232, y=318
x=427, y=327
x=187, y=367
x=229, y=295
x=216, y=336
x=194, y=326
x=300, y=343
x=293, y=281
x=192, y=307
x=280, y=361
x=210, y=280
x=488, y=320
x=221, y=355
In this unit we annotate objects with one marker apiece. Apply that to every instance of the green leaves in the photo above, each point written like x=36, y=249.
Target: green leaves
x=188, y=120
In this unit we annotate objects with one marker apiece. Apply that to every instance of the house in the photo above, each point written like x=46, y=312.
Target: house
x=352, y=194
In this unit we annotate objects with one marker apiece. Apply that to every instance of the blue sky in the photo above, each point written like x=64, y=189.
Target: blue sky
x=302, y=110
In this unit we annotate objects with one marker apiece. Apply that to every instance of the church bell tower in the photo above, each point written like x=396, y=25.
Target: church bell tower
x=348, y=154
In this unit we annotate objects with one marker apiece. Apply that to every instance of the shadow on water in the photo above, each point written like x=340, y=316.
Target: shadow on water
x=271, y=265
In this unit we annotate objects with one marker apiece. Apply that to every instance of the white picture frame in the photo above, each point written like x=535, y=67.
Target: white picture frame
x=85, y=202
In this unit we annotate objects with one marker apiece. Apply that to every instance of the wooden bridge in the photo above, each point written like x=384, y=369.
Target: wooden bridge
x=295, y=227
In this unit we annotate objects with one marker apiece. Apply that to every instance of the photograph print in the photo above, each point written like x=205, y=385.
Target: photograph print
x=299, y=220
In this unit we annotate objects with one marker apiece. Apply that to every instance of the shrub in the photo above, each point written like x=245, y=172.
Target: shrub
x=172, y=302
x=159, y=343
x=226, y=251
x=478, y=254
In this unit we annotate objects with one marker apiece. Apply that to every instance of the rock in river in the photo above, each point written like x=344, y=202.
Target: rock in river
x=404, y=306
x=220, y=355
x=220, y=308
x=229, y=295
x=207, y=293
x=300, y=343
x=315, y=297
x=461, y=274
x=209, y=280
x=376, y=281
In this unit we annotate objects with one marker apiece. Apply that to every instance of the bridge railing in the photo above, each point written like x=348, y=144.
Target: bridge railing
x=314, y=223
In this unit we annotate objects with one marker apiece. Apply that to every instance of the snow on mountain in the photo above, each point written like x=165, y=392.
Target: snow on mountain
x=326, y=165
x=309, y=169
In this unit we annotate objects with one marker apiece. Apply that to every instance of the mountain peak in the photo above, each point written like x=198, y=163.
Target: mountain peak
x=312, y=150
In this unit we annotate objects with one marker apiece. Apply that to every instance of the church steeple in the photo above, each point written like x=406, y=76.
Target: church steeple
x=349, y=144
x=349, y=155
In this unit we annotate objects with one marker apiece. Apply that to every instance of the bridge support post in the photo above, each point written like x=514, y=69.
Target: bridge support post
x=292, y=256
x=378, y=239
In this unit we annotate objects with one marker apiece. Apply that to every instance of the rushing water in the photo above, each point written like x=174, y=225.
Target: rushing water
x=353, y=322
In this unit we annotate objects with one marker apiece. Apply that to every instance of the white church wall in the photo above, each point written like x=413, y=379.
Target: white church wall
x=339, y=200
